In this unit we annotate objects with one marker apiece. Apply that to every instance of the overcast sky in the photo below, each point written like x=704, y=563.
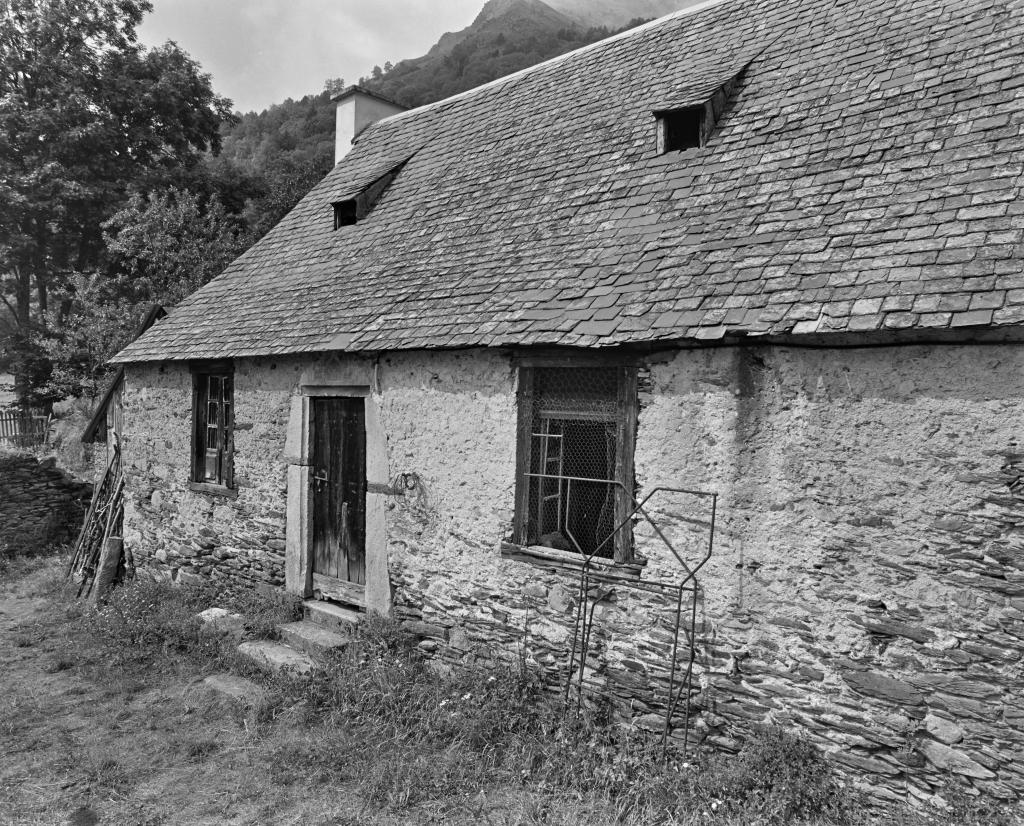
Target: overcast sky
x=263, y=51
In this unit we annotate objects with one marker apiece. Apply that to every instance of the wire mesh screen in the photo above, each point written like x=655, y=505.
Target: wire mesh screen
x=573, y=454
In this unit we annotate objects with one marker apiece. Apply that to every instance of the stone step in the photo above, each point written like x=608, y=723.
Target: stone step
x=277, y=657
x=330, y=616
x=311, y=637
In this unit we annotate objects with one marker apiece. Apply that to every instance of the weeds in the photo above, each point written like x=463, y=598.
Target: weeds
x=159, y=619
x=263, y=612
x=965, y=810
x=154, y=618
x=778, y=778
x=408, y=735
x=378, y=719
x=17, y=563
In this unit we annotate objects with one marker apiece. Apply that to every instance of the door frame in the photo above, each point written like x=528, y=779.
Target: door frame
x=299, y=525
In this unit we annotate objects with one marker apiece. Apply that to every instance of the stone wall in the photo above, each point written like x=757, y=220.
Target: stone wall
x=186, y=535
x=39, y=504
x=867, y=584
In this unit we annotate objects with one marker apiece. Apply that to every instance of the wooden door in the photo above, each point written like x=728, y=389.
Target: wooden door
x=339, y=489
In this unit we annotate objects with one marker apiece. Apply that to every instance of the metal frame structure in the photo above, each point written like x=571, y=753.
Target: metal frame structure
x=587, y=604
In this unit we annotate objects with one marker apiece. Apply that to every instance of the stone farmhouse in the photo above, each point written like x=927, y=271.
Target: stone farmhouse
x=688, y=365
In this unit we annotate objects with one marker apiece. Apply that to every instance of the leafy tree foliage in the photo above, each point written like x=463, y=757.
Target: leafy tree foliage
x=86, y=114
x=334, y=85
x=92, y=326
x=161, y=248
x=281, y=153
x=165, y=246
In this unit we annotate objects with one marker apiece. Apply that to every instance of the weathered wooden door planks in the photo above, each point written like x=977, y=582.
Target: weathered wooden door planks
x=339, y=489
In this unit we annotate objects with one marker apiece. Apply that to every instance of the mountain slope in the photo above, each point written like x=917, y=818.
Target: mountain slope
x=501, y=15
x=616, y=13
x=507, y=35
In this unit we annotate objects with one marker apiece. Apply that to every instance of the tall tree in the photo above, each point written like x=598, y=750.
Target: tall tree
x=86, y=114
x=166, y=246
x=160, y=248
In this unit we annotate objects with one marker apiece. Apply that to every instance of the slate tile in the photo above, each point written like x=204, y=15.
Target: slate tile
x=987, y=300
x=900, y=320
x=973, y=318
x=1009, y=315
x=596, y=328
x=861, y=323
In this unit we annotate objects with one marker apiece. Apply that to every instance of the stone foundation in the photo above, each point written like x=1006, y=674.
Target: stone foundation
x=867, y=585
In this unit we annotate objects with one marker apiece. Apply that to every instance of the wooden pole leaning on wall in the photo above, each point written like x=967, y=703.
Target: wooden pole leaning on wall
x=97, y=555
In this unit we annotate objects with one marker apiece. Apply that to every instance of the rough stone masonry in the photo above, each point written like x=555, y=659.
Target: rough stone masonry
x=39, y=504
x=867, y=585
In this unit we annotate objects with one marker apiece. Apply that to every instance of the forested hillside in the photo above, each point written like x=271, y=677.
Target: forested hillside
x=502, y=40
x=270, y=159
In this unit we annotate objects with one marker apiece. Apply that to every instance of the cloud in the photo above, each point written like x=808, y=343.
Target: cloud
x=260, y=52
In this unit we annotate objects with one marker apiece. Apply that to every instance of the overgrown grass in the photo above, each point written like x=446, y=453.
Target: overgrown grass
x=424, y=736
x=380, y=719
x=159, y=619
x=17, y=562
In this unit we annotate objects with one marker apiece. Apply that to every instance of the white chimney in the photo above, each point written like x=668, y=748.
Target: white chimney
x=357, y=109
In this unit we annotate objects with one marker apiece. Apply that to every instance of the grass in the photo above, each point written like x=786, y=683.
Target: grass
x=375, y=736
x=17, y=563
x=157, y=621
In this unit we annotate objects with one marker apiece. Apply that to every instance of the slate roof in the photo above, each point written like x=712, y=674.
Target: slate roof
x=866, y=176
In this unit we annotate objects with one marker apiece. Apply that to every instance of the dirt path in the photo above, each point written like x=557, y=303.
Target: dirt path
x=82, y=743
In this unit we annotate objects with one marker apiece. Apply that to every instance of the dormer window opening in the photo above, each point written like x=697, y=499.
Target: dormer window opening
x=681, y=128
x=690, y=123
x=356, y=208
x=345, y=213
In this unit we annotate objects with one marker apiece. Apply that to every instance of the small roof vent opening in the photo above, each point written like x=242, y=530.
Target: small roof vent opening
x=345, y=213
x=680, y=129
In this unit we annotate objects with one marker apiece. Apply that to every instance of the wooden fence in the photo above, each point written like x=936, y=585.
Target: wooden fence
x=23, y=428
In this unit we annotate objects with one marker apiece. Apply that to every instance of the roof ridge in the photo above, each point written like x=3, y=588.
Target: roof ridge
x=554, y=61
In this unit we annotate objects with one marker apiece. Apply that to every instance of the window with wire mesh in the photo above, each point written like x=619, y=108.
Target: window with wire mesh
x=572, y=485
x=212, y=438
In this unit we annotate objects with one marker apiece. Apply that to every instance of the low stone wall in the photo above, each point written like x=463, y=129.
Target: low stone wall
x=39, y=503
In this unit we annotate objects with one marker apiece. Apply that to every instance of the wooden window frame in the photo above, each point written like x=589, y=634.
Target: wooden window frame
x=224, y=483
x=627, y=408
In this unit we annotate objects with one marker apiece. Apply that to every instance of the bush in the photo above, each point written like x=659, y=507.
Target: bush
x=965, y=810
x=777, y=777
x=429, y=735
